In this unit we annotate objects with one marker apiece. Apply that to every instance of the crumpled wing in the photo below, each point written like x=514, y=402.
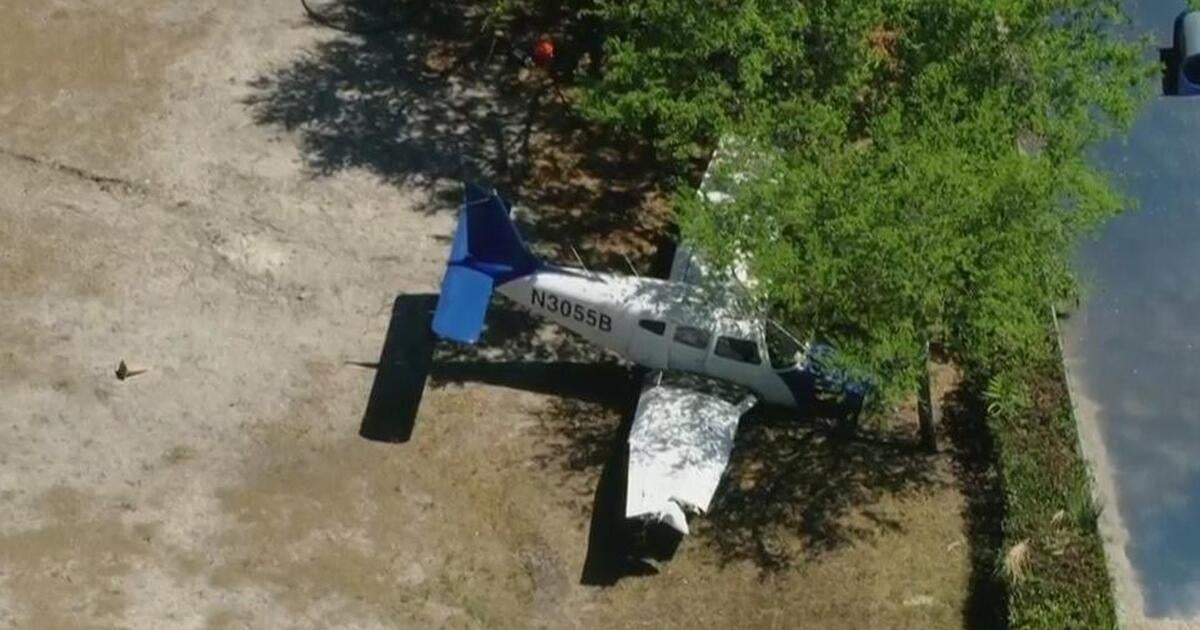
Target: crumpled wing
x=679, y=446
x=733, y=163
x=687, y=266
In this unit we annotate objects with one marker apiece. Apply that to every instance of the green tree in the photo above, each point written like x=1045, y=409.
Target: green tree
x=927, y=178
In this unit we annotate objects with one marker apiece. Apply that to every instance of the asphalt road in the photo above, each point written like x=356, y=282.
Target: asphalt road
x=1133, y=350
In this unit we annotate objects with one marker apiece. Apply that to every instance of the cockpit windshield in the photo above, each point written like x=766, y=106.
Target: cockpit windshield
x=784, y=346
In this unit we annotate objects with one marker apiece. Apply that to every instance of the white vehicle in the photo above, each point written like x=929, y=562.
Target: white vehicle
x=682, y=434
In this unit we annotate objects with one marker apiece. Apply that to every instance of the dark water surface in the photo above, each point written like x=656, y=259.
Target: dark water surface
x=1134, y=345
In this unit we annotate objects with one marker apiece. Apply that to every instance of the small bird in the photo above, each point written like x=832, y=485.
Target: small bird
x=124, y=371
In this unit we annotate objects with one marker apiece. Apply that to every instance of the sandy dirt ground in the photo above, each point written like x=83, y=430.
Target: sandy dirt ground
x=232, y=198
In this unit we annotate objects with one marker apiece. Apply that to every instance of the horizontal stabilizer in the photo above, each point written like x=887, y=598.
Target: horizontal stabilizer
x=463, y=304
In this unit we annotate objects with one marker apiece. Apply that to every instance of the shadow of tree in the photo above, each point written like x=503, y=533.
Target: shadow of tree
x=439, y=100
x=362, y=17
x=974, y=461
x=791, y=487
x=374, y=102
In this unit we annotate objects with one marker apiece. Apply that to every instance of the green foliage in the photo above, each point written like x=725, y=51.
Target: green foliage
x=1007, y=395
x=1049, y=505
x=927, y=178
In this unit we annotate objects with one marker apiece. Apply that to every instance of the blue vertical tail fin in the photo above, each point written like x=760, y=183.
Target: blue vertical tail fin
x=487, y=251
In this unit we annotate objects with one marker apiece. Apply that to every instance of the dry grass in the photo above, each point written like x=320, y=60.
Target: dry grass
x=1016, y=562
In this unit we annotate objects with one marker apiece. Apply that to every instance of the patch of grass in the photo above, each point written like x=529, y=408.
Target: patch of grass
x=1051, y=516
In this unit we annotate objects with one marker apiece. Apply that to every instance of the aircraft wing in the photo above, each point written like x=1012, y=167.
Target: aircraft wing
x=731, y=164
x=679, y=446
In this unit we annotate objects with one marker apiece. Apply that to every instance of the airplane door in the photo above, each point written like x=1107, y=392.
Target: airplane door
x=648, y=344
x=689, y=348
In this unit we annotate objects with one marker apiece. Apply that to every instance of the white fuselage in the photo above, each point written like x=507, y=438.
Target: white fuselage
x=659, y=324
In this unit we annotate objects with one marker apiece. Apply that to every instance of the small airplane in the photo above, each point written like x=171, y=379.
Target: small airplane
x=706, y=349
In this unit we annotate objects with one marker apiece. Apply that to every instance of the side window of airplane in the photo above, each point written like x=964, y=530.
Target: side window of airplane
x=737, y=350
x=693, y=337
x=657, y=328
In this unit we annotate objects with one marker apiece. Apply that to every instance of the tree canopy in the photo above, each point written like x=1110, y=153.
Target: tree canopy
x=928, y=176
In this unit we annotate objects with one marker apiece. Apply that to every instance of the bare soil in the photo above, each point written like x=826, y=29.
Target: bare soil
x=230, y=197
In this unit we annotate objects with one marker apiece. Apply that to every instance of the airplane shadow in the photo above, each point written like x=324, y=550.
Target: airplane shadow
x=401, y=372
x=411, y=359
x=617, y=547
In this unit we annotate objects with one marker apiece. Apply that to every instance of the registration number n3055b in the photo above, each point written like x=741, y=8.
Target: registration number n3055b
x=573, y=310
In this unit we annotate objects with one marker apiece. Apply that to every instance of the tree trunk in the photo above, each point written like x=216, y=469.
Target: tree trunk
x=927, y=410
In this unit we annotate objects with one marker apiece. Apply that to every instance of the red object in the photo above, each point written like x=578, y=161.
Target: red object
x=543, y=52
